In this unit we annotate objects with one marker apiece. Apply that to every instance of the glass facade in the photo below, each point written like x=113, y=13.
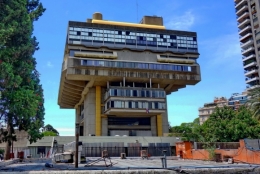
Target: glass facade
x=135, y=93
x=135, y=104
x=129, y=121
x=124, y=37
x=136, y=65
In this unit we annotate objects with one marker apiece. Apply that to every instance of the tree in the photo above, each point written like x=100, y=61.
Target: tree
x=188, y=131
x=48, y=130
x=227, y=125
x=22, y=100
x=253, y=102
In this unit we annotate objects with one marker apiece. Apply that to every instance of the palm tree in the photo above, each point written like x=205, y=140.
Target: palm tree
x=253, y=102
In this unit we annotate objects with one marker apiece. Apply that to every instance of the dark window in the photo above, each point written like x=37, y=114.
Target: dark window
x=78, y=33
x=135, y=93
x=112, y=104
x=41, y=149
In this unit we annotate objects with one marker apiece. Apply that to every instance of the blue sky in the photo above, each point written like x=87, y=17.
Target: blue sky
x=214, y=21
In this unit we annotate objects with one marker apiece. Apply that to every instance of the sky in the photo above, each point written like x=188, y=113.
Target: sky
x=218, y=43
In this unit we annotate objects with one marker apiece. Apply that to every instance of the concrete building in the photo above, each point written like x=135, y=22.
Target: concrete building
x=208, y=108
x=116, y=75
x=248, y=18
x=235, y=101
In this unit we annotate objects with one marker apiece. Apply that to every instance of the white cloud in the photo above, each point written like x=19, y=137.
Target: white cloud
x=49, y=64
x=183, y=22
x=223, y=50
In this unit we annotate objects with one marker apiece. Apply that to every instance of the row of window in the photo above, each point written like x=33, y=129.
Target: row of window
x=135, y=104
x=189, y=44
x=136, y=93
x=131, y=33
x=132, y=38
x=137, y=65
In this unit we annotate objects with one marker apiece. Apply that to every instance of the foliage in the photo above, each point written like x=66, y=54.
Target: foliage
x=50, y=133
x=22, y=95
x=186, y=130
x=253, y=102
x=228, y=125
x=49, y=128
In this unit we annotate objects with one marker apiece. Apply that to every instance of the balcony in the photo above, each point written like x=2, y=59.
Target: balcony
x=243, y=17
x=247, y=43
x=245, y=37
x=242, y=24
x=249, y=73
x=239, y=12
x=248, y=80
x=247, y=50
x=247, y=28
x=250, y=64
x=248, y=57
x=250, y=87
x=238, y=5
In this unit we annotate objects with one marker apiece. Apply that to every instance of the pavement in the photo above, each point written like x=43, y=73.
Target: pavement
x=129, y=165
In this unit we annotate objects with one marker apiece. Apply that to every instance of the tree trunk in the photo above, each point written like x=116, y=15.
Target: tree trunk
x=8, y=144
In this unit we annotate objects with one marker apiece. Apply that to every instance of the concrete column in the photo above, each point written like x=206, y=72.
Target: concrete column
x=165, y=123
x=159, y=126
x=104, y=126
x=153, y=126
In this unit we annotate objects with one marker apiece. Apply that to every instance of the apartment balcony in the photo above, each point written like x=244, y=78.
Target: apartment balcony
x=243, y=23
x=248, y=80
x=242, y=38
x=249, y=73
x=244, y=52
x=244, y=30
x=243, y=17
x=134, y=111
x=240, y=11
x=248, y=43
x=240, y=4
x=250, y=87
x=245, y=58
x=250, y=64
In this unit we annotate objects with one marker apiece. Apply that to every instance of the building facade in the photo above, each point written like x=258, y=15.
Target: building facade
x=248, y=20
x=208, y=108
x=117, y=75
x=235, y=101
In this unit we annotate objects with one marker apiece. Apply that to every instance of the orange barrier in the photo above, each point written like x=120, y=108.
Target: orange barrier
x=242, y=154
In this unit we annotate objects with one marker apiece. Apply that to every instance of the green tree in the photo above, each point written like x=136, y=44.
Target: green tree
x=49, y=128
x=22, y=95
x=49, y=133
x=227, y=125
x=188, y=131
x=253, y=102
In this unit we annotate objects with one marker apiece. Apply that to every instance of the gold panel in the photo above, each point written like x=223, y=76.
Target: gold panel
x=173, y=60
x=125, y=24
x=98, y=56
x=98, y=111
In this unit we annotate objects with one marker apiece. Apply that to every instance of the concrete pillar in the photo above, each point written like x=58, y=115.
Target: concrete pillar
x=153, y=126
x=104, y=126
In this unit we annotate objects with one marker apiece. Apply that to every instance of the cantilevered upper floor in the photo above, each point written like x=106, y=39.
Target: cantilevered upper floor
x=99, y=51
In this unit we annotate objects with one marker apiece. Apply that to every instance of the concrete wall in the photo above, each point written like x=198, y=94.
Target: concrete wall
x=153, y=126
x=90, y=112
x=104, y=130
x=145, y=56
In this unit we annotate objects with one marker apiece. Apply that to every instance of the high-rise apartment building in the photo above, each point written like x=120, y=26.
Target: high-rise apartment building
x=117, y=75
x=248, y=18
